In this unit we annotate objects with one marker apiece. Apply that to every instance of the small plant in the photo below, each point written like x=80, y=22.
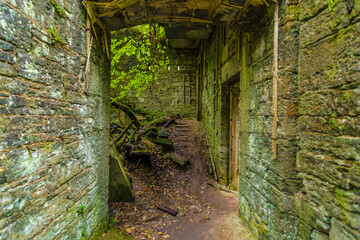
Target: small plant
x=58, y=9
x=55, y=36
x=331, y=4
x=113, y=222
x=83, y=235
x=81, y=209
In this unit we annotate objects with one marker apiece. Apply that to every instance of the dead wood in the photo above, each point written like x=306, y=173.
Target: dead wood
x=127, y=110
x=168, y=210
x=122, y=134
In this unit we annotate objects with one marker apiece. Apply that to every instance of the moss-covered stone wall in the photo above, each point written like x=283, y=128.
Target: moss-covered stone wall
x=310, y=191
x=328, y=205
x=174, y=92
x=54, y=134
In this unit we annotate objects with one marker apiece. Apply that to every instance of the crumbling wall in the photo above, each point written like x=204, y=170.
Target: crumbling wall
x=54, y=134
x=329, y=108
x=175, y=89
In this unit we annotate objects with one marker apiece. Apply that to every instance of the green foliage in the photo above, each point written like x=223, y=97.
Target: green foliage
x=138, y=53
x=331, y=4
x=83, y=235
x=58, y=9
x=81, y=209
x=113, y=222
x=55, y=36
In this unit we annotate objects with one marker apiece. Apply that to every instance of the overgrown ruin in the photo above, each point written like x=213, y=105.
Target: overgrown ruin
x=301, y=183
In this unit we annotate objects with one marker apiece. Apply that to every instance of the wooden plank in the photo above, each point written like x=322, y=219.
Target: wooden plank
x=275, y=79
x=234, y=134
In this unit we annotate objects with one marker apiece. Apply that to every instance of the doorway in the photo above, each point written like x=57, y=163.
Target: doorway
x=234, y=135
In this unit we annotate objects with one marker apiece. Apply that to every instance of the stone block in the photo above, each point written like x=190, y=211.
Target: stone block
x=332, y=170
x=331, y=62
x=316, y=235
x=328, y=21
x=120, y=189
x=7, y=70
x=15, y=28
x=341, y=147
x=334, y=126
x=7, y=57
x=355, y=175
x=6, y=46
x=339, y=230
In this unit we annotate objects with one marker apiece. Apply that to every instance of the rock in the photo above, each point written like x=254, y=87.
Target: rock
x=120, y=189
x=152, y=134
x=316, y=235
x=163, y=133
x=165, y=143
x=195, y=209
x=178, y=159
x=7, y=70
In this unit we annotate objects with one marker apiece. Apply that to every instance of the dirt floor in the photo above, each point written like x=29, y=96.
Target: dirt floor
x=204, y=211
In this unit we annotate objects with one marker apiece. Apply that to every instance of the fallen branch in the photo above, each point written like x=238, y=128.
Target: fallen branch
x=151, y=218
x=116, y=141
x=126, y=109
x=168, y=210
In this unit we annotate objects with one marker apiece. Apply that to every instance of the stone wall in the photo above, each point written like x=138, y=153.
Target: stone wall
x=329, y=106
x=310, y=191
x=266, y=185
x=54, y=134
x=175, y=90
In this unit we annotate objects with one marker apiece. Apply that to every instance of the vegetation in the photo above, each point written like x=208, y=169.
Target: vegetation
x=331, y=4
x=81, y=209
x=55, y=36
x=138, y=53
x=58, y=9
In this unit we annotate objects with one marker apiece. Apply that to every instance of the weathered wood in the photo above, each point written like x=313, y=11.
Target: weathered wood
x=89, y=40
x=122, y=134
x=234, y=134
x=211, y=158
x=275, y=79
x=151, y=218
x=218, y=186
x=126, y=109
x=168, y=210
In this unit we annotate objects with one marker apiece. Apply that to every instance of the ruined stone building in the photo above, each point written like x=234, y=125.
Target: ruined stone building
x=301, y=181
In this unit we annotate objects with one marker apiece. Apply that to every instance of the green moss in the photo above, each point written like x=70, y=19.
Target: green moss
x=55, y=36
x=58, y=9
x=340, y=197
x=353, y=10
x=332, y=4
x=347, y=95
x=114, y=233
x=259, y=125
x=100, y=229
x=333, y=123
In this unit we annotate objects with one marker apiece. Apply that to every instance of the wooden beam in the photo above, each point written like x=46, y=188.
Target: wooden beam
x=275, y=79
